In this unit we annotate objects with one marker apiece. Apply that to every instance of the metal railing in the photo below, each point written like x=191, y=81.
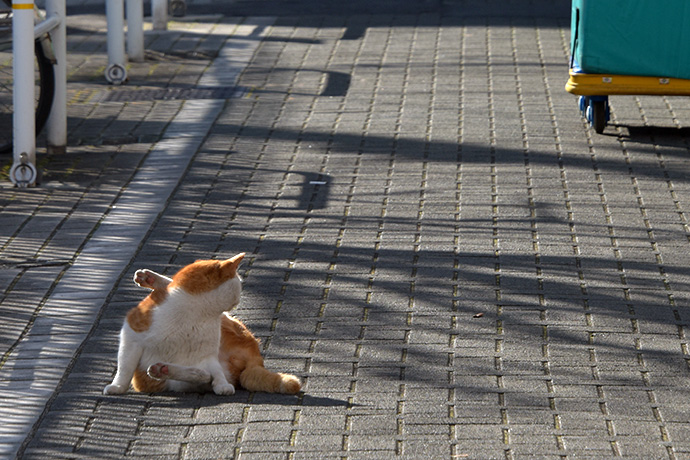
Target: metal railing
x=24, y=32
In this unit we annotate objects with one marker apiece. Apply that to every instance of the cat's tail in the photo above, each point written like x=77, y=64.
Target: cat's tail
x=255, y=377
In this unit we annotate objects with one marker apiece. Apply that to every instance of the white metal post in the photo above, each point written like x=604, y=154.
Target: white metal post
x=115, y=73
x=135, y=30
x=23, y=172
x=57, y=122
x=159, y=11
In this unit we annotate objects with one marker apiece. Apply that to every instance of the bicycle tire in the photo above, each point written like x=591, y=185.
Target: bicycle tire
x=44, y=101
x=47, y=87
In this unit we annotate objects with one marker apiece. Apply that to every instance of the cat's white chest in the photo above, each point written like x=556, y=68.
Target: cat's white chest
x=182, y=333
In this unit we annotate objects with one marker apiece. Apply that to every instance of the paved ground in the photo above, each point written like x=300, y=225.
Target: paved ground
x=451, y=260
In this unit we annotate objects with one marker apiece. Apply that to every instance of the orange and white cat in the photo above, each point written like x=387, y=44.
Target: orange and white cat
x=181, y=337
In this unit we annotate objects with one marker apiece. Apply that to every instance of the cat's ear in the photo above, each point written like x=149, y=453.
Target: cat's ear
x=232, y=263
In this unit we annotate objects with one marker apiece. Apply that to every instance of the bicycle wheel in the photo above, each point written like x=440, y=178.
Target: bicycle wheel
x=45, y=89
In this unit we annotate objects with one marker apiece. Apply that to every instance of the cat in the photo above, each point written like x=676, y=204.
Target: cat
x=182, y=338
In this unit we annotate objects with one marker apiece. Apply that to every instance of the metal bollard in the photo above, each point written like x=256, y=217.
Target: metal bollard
x=56, y=134
x=135, y=30
x=159, y=11
x=23, y=172
x=115, y=73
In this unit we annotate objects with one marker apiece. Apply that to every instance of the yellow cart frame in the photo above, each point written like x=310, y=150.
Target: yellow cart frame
x=594, y=90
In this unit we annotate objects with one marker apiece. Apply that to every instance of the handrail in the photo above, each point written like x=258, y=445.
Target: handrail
x=46, y=26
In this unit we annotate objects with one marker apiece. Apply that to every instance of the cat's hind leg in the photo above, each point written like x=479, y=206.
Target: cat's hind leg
x=198, y=377
x=165, y=371
x=151, y=280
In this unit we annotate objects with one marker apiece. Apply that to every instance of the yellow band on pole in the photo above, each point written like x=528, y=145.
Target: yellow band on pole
x=22, y=6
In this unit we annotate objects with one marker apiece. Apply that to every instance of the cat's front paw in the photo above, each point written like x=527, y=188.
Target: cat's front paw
x=113, y=389
x=224, y=389
x=145, y=278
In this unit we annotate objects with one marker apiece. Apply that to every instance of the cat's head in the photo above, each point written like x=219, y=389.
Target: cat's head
x=215, y=279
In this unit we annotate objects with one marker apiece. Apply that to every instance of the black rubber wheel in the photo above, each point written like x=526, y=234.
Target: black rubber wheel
x=45, y=90
x=598, y=116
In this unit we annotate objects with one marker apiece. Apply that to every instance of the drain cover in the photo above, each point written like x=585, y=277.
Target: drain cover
x=166, y=94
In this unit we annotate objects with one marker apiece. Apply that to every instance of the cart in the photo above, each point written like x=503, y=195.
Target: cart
x=627, y=47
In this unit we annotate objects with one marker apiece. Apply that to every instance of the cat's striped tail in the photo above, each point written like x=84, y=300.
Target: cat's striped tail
x=255, y=377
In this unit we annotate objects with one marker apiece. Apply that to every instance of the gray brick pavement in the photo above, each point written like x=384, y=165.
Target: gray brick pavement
x=438, y=245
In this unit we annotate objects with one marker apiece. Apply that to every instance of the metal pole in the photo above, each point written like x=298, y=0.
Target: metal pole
x=57, y=122
x=159, y=11
x=115, y=73
x=135, y=30
x=23, y=171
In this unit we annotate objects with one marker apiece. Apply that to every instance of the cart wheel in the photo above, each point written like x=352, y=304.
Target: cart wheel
x=583, y=102
x=598, y=116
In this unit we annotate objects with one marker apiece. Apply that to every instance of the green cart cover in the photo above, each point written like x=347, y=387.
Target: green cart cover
x=631, y=37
